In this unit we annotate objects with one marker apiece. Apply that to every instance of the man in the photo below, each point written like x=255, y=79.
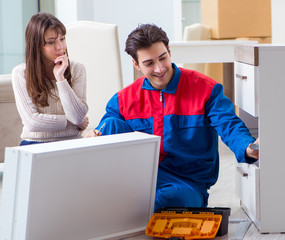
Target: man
x=187, y=109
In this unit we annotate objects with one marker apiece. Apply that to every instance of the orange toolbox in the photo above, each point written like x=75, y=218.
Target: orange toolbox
x=188, y=223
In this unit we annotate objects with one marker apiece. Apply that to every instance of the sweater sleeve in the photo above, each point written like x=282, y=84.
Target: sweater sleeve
x=31, y=118
x=73, y=99
x=229, y=126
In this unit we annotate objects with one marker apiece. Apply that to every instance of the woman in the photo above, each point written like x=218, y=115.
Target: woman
x=50, y=90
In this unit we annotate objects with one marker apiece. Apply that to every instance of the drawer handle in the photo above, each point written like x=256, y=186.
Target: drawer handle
x=241, y=77
x=242, y=172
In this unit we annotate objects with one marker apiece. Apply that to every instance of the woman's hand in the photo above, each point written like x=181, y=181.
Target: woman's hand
x=252, y=153
x=60, y=66
x=84, y=124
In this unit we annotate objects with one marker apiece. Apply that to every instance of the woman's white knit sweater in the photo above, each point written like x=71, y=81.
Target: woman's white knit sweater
x=58, y=120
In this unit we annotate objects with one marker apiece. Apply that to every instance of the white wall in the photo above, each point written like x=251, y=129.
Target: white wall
x=278, y=21
x=66, y=10
x=127, y=14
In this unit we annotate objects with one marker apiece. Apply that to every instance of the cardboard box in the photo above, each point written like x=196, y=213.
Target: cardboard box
x=237, y=18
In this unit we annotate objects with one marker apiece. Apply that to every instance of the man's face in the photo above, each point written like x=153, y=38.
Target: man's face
x=155, y=64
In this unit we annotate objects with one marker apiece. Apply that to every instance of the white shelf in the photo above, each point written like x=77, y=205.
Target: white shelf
x=206, y=51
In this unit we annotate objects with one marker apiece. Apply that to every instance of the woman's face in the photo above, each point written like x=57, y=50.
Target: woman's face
x=54, y=46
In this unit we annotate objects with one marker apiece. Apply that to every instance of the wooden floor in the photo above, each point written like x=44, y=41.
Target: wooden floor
x=222, y=194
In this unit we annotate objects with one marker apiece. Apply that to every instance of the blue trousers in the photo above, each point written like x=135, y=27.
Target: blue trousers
x=174, y=191
x=171, y=190
x=24, y=142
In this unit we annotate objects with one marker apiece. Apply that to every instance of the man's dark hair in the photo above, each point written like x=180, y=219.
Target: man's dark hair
x=143, y=37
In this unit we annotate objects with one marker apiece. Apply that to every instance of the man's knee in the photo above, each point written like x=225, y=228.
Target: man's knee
x=176, y=195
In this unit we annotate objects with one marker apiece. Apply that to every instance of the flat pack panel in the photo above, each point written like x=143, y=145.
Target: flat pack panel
x=94, y=188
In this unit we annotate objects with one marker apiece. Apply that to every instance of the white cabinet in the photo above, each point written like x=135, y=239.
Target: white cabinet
x=259, y=90
x=90, y=188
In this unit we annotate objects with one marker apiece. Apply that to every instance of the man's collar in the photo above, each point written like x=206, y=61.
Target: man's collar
x=171, y=87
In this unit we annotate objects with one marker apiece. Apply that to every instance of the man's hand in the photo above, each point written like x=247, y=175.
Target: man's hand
x=92, y=133
x=252, y=153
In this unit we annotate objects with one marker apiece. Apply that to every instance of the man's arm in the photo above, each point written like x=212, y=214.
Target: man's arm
x=221, y=114
x=112, y=111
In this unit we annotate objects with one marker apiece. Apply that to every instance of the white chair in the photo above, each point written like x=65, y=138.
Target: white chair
x=196, y=32
x=10, y=121
x=96, y=45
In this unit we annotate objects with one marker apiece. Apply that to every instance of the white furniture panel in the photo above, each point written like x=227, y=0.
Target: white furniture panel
x=205, y=51
x=94, y=188
x=261, y=191
x=246, y=94
x=248, y=189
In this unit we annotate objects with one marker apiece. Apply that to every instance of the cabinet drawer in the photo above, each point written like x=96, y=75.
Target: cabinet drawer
x=246, y=94
x=247, y=189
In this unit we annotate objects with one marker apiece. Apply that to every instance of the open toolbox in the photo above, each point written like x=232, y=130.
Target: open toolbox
x=188, y=223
